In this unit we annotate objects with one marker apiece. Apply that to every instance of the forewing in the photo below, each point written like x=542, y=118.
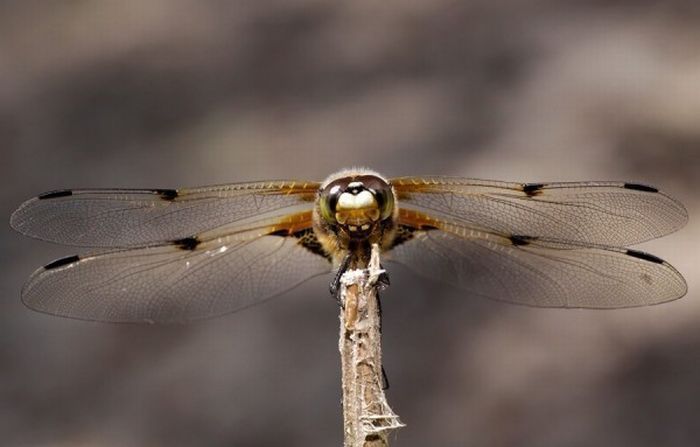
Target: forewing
x=181, y=281
x=538, y=272
x=598, y=213
x=133, y=217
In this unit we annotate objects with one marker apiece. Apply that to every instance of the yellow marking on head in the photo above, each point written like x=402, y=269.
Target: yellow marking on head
x=357, y=209
x=363, y=200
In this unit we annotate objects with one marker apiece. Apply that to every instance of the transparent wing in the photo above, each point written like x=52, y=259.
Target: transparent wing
x=603, y=213
x=539, y=272
x=172, y=283
x=133, y=217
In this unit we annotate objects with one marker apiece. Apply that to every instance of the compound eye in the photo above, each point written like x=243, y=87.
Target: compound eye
x=328, y=203
x=385, y=201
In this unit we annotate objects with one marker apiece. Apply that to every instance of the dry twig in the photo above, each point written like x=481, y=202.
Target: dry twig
x=368, y=419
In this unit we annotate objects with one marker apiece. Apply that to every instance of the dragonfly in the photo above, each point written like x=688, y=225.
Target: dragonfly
x=175, y=255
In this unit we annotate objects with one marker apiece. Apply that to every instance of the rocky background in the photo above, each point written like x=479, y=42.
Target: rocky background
x=171, y=93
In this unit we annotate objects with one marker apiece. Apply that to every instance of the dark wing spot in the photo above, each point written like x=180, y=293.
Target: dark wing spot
x=639, y=187
x=166, y=194
x=645, y=256
x=283, y=232
x=404, y=233
x=187, y=243
x=307, y=239
x=61, y=262
x=533, y=189
x=518, y=240
x=54, y=194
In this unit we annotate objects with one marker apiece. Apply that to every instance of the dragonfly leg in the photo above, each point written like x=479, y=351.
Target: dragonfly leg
x=335, y=283
x=382, y=282
x=385, y=379
x=383, y=279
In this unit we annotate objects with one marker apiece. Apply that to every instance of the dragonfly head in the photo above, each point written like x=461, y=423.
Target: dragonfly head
x=356, y=203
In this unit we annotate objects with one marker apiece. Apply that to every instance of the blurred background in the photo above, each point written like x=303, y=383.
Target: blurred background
x=173, y=93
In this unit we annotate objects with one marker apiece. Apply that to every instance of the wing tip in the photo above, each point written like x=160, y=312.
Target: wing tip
x=677, y=205
x=17, y=218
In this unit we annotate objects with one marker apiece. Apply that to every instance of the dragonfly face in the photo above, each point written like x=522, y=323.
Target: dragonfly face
x=181, y=254
x=353, y=211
